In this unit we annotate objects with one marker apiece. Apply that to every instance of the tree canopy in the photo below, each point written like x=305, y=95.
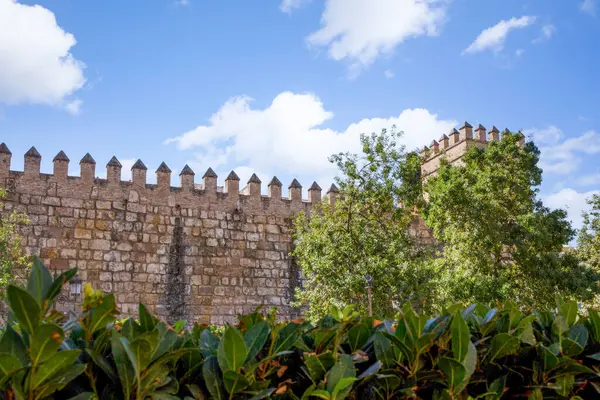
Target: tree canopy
x=588, y=241
x=499, y=241
x=365, y=233
x=494, y=238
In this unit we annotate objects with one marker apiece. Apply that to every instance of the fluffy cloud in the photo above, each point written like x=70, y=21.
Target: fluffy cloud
x=36, y=65
x=559, y=156
x=287, y=6
x=288, y=136
x=493, y=38
x=359, y=31
x=572, y=201
x=588, y=6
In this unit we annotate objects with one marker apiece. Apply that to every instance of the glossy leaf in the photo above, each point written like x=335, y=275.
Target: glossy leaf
x=255, y=339
x=212, y=378
x=453, y=370
x=461, y=337
x=45, y=343
x=503, y=344
x=24, y=307
x=54, y=365
x=232, y=350
x=39, y=281
x=343, y=368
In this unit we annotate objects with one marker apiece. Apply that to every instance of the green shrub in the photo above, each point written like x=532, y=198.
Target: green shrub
x=472, y=353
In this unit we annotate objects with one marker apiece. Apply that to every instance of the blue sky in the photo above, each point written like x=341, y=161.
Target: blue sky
x=274, y=86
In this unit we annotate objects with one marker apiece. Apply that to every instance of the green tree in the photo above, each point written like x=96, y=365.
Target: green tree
x=588, y=241
x=13, y=261
x=499, y=241
x=365, y=233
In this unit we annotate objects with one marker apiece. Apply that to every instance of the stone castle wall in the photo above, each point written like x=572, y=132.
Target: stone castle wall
x=198, y=252
x=195, y=252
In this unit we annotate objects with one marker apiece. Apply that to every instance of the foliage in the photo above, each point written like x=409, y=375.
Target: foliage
x=588, y=241
x=365, y=233
x=12, y=259
x=500, y=242
x=471, y=353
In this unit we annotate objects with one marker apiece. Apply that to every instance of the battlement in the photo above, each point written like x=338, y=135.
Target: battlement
x=87, y=184
x=453, y=146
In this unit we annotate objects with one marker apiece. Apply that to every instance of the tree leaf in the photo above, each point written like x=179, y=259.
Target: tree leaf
x=232, y=350
x=255, y=339
x=461, y=337
x=124, y=366
x=45, y=342
x=39, y=281
x=54, y=365
x=146, y=320
x=549, y=360
x=358, y=336
x=564, y=384
x=343, y=368
x=453, y=370
x=12, y=343
x=343, y=388
x=24, y=307
x=139, y=352
x=503, y=344
x=210, y=373
x=318, y=365
x=58, y=283
x=570, y=347
x=103, y=363
x=580, y=334
x=559, y=326
x=234, y=382
x=103, y=314
x=286, y=338
x=8, y=364
x=568, y=311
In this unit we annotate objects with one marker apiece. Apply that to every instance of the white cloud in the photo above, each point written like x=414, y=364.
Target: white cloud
x=359, y=31
x=287, y=6
x=287, y=137
x=572, y=201
x=519, y=52
x=182, y=3
x=389, y=74
x=564, y=157
x=588, y=6
x=493, y=38
x=589, y=180
x=547, y=136
x=36, y=65
x=546, y=33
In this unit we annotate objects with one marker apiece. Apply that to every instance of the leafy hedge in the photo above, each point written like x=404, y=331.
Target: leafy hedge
x=476, y=353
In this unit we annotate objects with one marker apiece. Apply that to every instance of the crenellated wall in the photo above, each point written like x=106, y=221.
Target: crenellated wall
x=199, y=252
x=196, y=252
x=453, y=146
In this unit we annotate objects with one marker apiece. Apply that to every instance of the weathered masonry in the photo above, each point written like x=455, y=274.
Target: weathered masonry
x=196, y=252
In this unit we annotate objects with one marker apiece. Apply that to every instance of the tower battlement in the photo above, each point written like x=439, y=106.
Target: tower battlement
x=453, y=146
